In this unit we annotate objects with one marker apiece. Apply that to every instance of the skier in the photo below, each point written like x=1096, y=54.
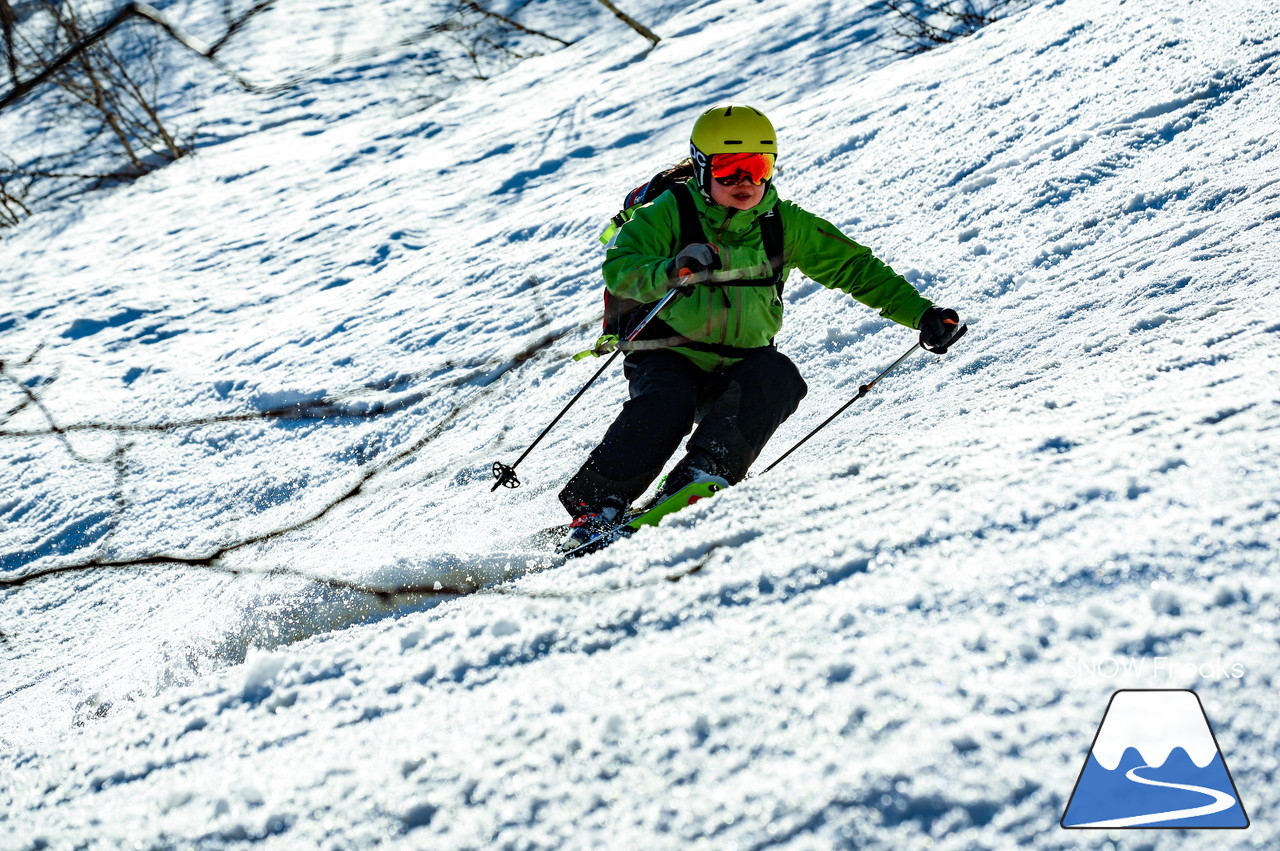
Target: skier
x=709, y=357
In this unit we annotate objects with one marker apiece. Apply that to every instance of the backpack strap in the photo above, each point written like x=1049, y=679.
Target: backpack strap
x=691, y=232
x=771, y=234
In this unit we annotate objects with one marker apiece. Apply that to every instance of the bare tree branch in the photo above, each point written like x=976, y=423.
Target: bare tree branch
x=473, y=5
x=7, y=22
x=74, y=56
x=235, y=25
x=631, y=22
x=124, y=15
x=931, y=23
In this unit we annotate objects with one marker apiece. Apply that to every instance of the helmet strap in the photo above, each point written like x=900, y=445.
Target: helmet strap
x=701, y=171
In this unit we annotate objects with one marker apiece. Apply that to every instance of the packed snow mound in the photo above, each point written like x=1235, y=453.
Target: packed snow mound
x=902, y=635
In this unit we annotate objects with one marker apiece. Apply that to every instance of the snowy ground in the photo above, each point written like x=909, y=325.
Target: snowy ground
x=903, y=636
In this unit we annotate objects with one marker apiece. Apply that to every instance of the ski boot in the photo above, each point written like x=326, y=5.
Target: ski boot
x=588, y=527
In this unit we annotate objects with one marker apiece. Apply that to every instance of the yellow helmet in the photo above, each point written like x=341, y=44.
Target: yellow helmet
x=729, y=128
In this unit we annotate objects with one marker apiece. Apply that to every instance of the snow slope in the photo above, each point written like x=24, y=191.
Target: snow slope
x=904, y=636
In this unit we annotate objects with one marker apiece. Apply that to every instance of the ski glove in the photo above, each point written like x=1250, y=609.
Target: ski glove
x=697, y=260
x=939, y=328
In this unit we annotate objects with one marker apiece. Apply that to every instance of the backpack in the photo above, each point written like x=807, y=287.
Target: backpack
x=620, y=314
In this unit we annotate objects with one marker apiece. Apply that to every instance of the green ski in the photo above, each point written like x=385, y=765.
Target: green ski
x=701, y=488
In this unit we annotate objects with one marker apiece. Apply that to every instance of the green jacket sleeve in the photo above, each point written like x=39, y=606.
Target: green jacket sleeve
x=635, y=265
x=818, y=249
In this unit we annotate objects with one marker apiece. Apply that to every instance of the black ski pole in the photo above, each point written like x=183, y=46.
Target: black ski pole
x=506, y=476
x=862, y=391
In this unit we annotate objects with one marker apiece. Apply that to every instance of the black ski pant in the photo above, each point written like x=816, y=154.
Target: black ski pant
x=737, y=410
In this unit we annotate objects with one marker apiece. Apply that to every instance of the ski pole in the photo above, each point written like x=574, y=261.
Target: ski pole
x=862, y=391
x=866, y=388
x=506, y=476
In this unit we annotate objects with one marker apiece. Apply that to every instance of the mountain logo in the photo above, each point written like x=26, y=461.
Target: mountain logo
x=1155, y=763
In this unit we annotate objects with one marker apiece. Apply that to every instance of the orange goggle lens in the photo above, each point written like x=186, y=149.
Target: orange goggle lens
x=732, y=169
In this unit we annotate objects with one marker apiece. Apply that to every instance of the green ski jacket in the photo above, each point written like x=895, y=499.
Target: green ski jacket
x=635, y=267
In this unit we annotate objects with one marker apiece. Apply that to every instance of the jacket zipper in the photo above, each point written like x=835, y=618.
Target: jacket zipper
x=724, y=292
x=724, y=295
x=728, y=217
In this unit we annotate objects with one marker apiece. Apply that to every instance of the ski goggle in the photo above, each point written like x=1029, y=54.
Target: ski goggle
x=732, y=169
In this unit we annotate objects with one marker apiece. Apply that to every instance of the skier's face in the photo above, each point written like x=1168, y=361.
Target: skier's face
x=743, y=196
x=739, y=178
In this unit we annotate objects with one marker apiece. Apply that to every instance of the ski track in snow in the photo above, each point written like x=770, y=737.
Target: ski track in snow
x=875, y=645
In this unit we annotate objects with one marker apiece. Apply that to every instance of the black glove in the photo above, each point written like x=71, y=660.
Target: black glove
x=697, y=260
x=939, y=328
